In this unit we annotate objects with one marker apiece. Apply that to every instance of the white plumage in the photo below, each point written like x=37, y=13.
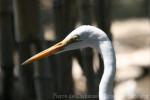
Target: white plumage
x=89, y=36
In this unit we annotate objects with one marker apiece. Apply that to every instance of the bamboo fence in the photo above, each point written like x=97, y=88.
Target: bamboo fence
x=21, y=25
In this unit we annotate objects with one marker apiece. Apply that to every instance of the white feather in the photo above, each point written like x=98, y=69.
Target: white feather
x=94, y=37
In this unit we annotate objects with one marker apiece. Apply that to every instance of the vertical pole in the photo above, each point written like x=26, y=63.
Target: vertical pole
x=87, y=53
x=64, y=22
x=38, y=80
x=147, y=8
x=6, y=41
x=43, y=76
x=26, y=32
x=102, y=13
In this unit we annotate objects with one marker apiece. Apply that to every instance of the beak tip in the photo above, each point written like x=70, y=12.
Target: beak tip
x=24, y=63
x=52, y=50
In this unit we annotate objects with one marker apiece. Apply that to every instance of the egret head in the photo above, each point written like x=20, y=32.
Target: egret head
x=84, y=36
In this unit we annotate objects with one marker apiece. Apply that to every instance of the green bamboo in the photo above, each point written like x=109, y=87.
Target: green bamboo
x=6, y=49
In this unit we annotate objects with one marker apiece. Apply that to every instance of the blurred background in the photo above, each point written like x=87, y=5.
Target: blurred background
x=30, y=26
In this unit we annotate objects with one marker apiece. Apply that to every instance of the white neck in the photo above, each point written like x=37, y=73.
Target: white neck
x=106, y=84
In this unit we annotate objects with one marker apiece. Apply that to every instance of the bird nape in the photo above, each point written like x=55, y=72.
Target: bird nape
x=88, y=36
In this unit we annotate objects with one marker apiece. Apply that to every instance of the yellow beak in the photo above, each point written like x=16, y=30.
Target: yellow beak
x=52, y=50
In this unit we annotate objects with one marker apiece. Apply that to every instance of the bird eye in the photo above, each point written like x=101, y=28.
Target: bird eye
x=76, y=37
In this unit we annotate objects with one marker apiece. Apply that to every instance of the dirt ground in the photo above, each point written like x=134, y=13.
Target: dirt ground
x=132, y=44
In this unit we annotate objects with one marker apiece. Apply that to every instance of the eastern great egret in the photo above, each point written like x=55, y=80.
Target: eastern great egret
x=88, y=36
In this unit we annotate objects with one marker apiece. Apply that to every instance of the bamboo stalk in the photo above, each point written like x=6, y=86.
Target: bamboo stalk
x=43, y=76
x=64, y=23
x=29, y=27
x=102, y=15
x=25, y=23
x=6, y=49
x=87, y=53
x=147, y=8
x=102, y=9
